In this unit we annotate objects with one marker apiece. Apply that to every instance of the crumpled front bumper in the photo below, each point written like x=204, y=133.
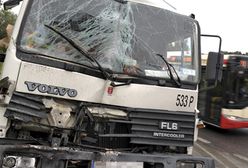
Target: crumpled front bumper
x=55, y=154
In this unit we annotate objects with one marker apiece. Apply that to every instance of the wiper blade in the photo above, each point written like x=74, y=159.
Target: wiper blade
x=113, y=84
x=170, y=68
x=131, y=79
x=79, y=49
x=122, y=1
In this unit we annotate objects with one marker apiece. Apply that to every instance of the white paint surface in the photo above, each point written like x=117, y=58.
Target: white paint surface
x=92, y=89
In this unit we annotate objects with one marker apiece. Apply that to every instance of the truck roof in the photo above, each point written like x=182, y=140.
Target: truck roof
x=156, y=3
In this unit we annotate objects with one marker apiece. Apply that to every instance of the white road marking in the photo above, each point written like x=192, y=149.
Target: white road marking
x=241, y=157
x=203, y=140
x=233, y=160
x=211, y=155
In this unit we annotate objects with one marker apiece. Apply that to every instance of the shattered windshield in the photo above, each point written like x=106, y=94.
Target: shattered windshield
x=124, y=38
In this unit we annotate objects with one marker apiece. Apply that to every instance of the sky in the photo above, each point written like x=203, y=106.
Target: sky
x=226, y=18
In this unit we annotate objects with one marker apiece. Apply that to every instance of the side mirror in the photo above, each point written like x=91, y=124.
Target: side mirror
x=2, y=57
x=11, y=4
x=214, y=66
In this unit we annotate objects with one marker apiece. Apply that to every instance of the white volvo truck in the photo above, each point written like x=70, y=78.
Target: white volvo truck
x=100, y=80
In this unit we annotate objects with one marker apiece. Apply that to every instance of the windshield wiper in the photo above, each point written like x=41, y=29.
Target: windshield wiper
x=122, y=1
x=104, y=72
x=79, y=49
x=170, y=68
x=113, y=84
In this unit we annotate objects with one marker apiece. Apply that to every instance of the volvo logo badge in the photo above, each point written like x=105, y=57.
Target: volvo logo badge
x=49, y=89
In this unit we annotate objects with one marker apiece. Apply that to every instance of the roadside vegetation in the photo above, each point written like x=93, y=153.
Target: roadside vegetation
x=7, y=20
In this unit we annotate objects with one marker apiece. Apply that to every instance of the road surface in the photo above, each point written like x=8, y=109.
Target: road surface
x=229, y=148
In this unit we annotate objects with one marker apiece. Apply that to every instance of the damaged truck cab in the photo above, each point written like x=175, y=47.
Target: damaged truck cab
x=103, y=80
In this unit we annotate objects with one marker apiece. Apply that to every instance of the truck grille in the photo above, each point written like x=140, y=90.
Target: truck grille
x=26, y=107
x=145, y=128
x=141, y=127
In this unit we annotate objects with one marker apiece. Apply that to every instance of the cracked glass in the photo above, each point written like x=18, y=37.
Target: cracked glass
x=123, y=37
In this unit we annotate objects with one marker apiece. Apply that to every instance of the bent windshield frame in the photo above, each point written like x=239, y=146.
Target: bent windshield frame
x=123, y=38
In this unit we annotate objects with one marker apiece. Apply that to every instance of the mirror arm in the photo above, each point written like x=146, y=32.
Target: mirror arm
x=208, y=35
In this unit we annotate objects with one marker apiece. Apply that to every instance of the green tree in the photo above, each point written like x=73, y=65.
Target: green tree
x=6, y=17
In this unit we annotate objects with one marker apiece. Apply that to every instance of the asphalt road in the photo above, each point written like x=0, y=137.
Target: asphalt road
x=229, y=148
